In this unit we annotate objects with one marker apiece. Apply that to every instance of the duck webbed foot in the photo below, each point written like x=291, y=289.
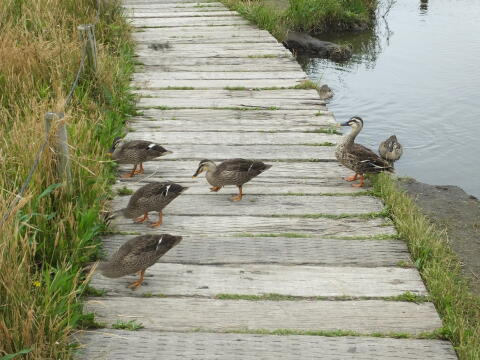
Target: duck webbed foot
x=352, y=178
x=215, y=188
x=160, y=220
x=361, y=183
x=139, y=282
x=239, y=196
x=131, y=173
x=139, y=171
x=141, y=218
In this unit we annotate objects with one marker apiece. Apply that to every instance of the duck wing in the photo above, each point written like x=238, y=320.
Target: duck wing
x=147, y=146
x=368, y=161
x=136, y=246
x=242, y=165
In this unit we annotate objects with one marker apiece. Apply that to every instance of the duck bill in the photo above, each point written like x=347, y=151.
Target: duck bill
x=167, y=152
x=198, y=172
x=344, y=124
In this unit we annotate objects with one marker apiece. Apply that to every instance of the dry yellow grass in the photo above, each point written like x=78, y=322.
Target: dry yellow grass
x=52, y=230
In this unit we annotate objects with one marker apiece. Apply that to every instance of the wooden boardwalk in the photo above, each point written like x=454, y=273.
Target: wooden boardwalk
x=299, y=232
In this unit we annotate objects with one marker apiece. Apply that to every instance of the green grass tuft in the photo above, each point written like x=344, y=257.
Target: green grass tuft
x=131, y=325
x=440, y=269
x=124, y=191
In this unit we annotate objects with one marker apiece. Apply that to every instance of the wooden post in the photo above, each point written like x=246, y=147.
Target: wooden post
x=87, y=34
x=64, y=167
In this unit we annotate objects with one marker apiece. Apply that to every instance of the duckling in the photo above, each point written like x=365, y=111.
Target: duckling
x=152, y=197
x=231, y=172
x=357, y=157
x=135, y=152
x=136, y=255
x=390, y=149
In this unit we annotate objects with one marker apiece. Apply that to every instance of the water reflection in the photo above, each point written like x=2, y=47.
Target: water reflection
x=415, y=76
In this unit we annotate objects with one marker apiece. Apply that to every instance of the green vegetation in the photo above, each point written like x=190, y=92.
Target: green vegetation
x=131, y=325
x=439, y=334
x=371, y=215
x=406, y=296
x=53, y=230
x=87, y=321
x=312, y=16
x=91, y=291
x=124, y=191
x=286, y=235
x=326, y=143
x=439, y=267
x=306, y=85
x=330, y=131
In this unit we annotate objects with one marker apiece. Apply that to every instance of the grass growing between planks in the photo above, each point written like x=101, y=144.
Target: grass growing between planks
x=311, y=16
x=53, y=229
x=439, y=267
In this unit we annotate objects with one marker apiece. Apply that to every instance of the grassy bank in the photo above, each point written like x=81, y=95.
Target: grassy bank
x=311, y=16
x=439, y=267
x=53, y=230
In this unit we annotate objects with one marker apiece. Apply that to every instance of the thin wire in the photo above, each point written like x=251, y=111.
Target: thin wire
x=77, y=77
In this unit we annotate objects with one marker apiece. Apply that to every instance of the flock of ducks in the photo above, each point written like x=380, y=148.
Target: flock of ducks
x=141, y=252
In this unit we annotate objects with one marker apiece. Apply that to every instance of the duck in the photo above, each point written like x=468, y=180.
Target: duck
x=390, y=150
x=357, y=157
x=152, y=197
x=231, y=172
x=135, y=256
x=135, y=152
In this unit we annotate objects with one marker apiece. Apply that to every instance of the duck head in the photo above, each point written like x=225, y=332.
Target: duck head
x=355, y=122
x=204, y=165
x=118, y=141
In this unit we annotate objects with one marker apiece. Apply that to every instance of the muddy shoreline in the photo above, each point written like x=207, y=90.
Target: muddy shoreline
x=452, y=209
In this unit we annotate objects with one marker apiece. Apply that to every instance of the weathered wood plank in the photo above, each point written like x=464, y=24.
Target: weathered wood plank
x=259, y=152
x=233, y=120
x=261, y=67
x=231, y=225
x=253, y=279
x=317, y=173
x=264, y=205
x=162, y=13
x=195, y=124
x=188, y=7
x=164, y=47
x=213, y=98
x=212, y=60
x=153, y=345
x=216, y=84
x=147, y=75
x=189, y=314
x=191, y=21
x=169, y=2
x=259, y=186
x=205, y=250
x=179, y=32
x=223, y=39
x=219, y=53
x=238, y=96
x=232, y=138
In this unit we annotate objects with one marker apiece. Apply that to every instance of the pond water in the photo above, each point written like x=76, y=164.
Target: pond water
x=416, y=75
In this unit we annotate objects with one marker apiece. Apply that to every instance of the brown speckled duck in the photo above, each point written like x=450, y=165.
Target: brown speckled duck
x=231, y=172
x=152, y=197
x=136, y=255
x=357, y=157
x=390, y=149
x=135, y=152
